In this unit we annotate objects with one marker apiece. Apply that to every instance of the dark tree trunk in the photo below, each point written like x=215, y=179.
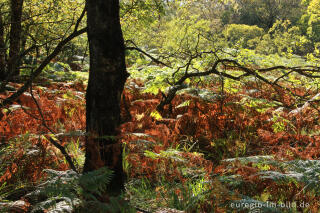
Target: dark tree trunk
x=15, y=36
x=107, y=77
x=2, y=49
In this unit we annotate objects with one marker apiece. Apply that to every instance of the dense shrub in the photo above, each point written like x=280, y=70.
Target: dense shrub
x=282, y=38
x=236, y=33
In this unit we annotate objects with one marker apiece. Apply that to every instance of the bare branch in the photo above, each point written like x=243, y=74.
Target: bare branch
x=146, y=54
x=80, y=19
x=53, y=141
x=44, y=63
x=307, y=71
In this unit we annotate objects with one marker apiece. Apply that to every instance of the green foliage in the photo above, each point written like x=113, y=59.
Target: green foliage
x=261, y=105
x=26, y=153
x=53, y=22
x=265, y=45
x=189, y=196
x=310, y=21
x=151, y=196
x=305, y=172
x=168, y=154
x=67, y=191
x=264, y=13
x=142, y=194
x=183, y=34
x=283, y=38
x=95, y=182
x=139, y=18
x=260, y=33
x=280, y=124
x=242, y=33
x=57, y=188
x=203, y=94
x=314, y=27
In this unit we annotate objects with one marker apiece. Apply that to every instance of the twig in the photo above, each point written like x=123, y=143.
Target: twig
x=305, y=71
x=44, y=63
x=146, y=54
x=53, y=141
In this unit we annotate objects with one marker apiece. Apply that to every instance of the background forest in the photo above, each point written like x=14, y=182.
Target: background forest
x=220, y=112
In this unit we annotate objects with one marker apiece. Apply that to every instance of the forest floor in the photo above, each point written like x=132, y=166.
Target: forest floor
x=212, y=150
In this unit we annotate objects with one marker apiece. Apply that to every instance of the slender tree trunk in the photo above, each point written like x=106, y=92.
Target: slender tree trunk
x=107, y=77
x=2, y=49
x=15, y=36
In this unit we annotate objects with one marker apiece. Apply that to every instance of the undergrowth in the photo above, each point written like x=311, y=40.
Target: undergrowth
x=244, y=147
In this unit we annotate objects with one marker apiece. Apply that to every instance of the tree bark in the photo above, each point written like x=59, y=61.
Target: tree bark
x=107, y=77
x=15, y=36
x=2, y=48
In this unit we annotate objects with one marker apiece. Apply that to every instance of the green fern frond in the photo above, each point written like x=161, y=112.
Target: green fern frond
x=306, y=172
x=67, y=191
x=95, y=182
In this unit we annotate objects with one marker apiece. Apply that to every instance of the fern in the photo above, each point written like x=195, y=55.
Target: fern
x=202, y=94
x=305, y=173
x=57, y=204
x=251, y=159
x=280, y=177
x=67, y=191
x=95, y=182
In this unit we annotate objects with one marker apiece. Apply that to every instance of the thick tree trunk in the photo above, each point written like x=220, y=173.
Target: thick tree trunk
x=2, y=49
x=15, y=36
x=107, y=77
